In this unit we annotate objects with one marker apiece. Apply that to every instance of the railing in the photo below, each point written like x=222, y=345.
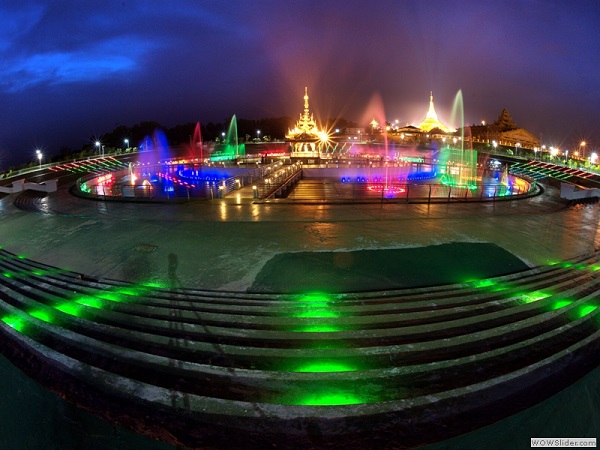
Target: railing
x=175, y=190
x=335, y=191
x=279, y=183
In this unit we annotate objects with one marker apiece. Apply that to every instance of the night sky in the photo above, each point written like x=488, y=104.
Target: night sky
x=74, y=69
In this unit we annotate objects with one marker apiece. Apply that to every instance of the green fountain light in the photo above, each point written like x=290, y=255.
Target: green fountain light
x=561, y=304
x=70, y=308
x=42, y=315
x=329, y=399
x=319, y=328
x=484, y=283
x=111, y=296
x=15, y=322
x=92, y=302
x=326, y=366
x=534, y=296
x=317, y=313
x=585, y=310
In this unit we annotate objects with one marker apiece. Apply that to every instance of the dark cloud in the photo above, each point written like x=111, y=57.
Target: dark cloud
x=69, y=70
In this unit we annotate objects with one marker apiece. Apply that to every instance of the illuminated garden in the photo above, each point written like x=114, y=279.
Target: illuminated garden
x=314, y=292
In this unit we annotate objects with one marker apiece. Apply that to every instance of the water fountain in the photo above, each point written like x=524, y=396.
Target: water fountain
x=458, y=165
x=230, y=148
x=196, y=149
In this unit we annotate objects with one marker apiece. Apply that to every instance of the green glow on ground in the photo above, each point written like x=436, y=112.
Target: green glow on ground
x=595, y=267
x=69, y=308
x=316, y=313
x=42, y=315
x=20, y=256
x=329, y=399
x=585, y=310
x=326, y=345
x=500, y=288
x=484, y=283
x=319, y=328
x=561, y=304
x=567, y=265
x=38, y=272
x=326, y=366
x=15, y=322
x=7, y=274
x=128, y=291
x=111, y=296
x=315, y=297
x=155, y=284
x=534, y=296
x=92, y=302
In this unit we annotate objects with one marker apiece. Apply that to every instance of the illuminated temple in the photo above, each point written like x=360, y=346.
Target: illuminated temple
x=431, y=120
x=306, y=138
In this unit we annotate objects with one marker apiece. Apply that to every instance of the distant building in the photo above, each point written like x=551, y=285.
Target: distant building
x=504, y=131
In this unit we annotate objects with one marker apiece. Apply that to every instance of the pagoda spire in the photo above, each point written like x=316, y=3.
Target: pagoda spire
x=431, y=114
x=306, y=110
x=306, y=125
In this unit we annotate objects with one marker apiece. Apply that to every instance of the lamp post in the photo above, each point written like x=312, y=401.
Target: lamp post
x=517, y=145
x=258, y=134
x=39, y=156
x=99, y=145
x=582, y=147
x=126, y=141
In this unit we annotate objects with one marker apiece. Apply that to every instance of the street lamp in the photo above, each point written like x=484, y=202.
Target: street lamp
x=582, y=147
x=517, y=145
x=258, y=134
x=495, y=145
x=39, y=156
x=99, y=145
x=126, y=141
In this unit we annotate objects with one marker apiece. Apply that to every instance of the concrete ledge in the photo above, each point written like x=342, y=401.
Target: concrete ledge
x=396, y=368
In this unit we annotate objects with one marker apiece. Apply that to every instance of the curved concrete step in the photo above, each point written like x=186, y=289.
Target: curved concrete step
x=312, y=366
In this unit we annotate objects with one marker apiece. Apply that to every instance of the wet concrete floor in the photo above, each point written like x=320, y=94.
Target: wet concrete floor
x=224, y=244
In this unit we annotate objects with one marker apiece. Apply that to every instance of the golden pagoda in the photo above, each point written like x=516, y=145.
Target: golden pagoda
x=306, y=139
x=431, y=120
x=306, y=127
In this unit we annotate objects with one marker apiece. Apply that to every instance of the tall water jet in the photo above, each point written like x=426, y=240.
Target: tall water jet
x=196, y=148
x=457, y=163
x=154, y=148
x=230, y=149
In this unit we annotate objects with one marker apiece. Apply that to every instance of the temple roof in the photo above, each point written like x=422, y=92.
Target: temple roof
x=306, y=127
x=505, y=122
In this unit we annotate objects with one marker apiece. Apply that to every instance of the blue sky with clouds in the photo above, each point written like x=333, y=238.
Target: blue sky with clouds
x=73, y=69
